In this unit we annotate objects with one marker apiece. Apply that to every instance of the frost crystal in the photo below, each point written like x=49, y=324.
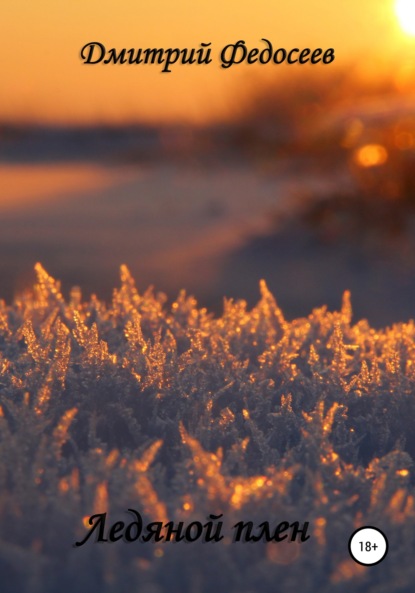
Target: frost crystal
x=178, y=414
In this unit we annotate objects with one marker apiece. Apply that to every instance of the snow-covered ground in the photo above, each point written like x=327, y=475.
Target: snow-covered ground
x=172, y=224
x=207, y=220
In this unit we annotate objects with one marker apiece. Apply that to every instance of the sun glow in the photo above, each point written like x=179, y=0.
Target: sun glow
x=371, y=155
x=405, y=11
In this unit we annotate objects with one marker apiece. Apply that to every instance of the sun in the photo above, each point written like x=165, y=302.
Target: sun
x=405, y=11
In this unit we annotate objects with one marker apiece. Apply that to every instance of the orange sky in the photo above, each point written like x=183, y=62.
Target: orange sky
x=44, y=79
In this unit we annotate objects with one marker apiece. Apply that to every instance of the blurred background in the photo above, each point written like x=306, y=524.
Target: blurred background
x=210, y=179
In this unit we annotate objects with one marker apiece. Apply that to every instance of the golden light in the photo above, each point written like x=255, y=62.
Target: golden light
x=405, y=11
x=85, y=522
x=371, y=155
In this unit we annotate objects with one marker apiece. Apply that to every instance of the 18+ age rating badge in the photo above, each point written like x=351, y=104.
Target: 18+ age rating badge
x=368, y=546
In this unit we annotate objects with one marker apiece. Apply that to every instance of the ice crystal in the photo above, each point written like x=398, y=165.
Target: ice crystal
x=178, y=414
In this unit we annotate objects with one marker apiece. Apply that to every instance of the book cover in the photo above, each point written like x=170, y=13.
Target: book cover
x=207, y=279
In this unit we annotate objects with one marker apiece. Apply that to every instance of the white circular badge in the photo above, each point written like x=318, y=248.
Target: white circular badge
x=368, y=546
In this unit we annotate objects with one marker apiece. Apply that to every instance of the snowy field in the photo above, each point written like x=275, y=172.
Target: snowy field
x=173, y=224
x=196, y=211
x=257, y=413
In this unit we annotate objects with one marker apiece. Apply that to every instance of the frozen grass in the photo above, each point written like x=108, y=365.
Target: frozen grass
x=178, y=414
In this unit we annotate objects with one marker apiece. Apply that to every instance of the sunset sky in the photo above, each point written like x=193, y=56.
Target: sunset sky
x=43, y=78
